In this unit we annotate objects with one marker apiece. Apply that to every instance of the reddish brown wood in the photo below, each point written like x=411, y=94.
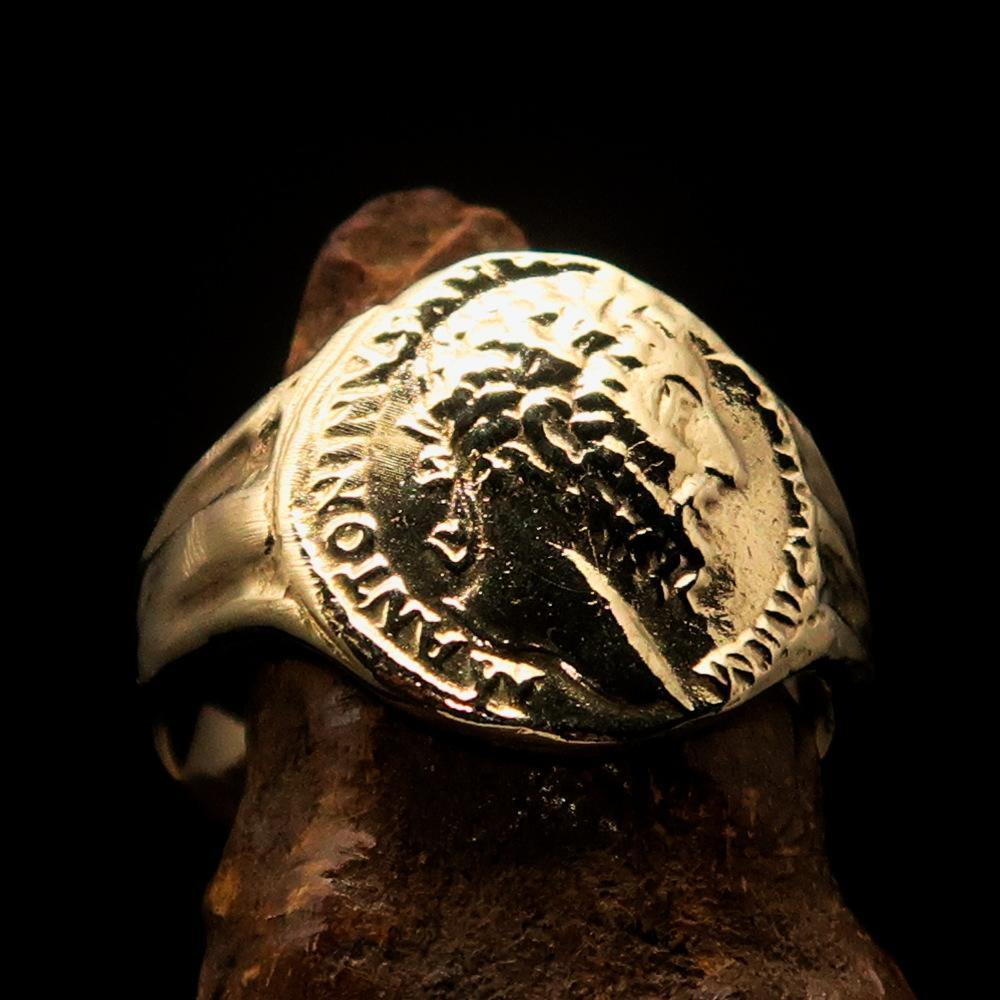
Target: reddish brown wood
x=374, y=857
x=383, y=248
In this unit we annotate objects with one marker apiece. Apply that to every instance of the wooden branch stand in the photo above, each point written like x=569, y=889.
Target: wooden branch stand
x=374, y=857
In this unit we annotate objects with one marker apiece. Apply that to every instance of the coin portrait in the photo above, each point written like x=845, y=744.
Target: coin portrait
x=549, y=496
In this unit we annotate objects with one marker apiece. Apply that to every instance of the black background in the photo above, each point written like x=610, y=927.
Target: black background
x=811, y=241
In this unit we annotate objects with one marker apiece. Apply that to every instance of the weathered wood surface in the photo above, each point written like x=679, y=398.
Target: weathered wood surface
x=374, y=857
x=385, y=247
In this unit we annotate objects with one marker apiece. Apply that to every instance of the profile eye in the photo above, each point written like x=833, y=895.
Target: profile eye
x=680, y=380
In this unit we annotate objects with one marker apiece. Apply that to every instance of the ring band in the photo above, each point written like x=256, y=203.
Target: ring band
x=532, y=496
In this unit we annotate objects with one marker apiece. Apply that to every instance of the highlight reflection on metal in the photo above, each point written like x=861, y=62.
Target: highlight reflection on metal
x=531, y=494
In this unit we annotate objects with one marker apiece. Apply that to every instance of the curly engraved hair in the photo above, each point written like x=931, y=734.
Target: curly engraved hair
x=590, y=411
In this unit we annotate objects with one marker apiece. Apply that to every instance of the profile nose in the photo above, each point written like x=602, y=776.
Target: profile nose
x=719, y=454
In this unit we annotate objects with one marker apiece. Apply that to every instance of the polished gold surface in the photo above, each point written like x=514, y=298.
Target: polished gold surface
x=532, y=495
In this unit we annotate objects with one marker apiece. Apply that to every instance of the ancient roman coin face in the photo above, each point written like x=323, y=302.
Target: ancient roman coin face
x=536, y=493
